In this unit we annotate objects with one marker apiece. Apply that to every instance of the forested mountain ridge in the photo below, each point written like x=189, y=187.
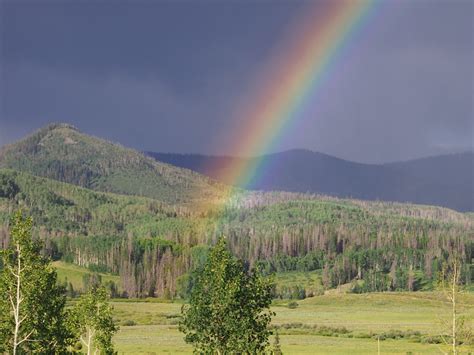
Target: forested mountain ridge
x=446, y=180
x=67, y=209
x=154, y=246
x=61, y=152
x=70, y=183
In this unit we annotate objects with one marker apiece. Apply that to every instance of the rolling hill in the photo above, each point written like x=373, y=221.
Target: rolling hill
x=442, y=180
x=111, y=209
x=61, y=152
x=65, y=209
x=152, y=245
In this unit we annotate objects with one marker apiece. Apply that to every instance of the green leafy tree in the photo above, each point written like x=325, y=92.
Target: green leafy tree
x=91, y=281
x=91, y=318
x=229, y=307
x=8, y=187
x=32, y=304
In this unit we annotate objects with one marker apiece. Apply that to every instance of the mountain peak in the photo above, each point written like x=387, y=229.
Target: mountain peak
x=61, y=152
x=56, y=125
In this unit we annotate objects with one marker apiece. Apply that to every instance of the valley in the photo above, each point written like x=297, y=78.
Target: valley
x=236, y=177
x=346, y=271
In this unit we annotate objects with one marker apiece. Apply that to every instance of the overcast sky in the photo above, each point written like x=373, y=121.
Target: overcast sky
x=168, y=76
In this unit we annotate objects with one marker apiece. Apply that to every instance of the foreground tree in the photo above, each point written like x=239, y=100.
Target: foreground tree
x=32, y=315
x=229, y=307
x=450, y=285
x=91, y=318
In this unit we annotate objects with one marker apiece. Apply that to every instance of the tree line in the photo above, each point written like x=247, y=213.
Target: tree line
x=228, y=310
x=394, y=257
x=155, y=247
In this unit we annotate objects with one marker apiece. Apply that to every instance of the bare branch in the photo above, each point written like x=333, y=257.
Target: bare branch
x=25, y=338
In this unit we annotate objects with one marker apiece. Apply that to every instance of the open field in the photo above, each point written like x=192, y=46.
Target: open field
x=74, y=274
x=351, y=324
x=294, y=283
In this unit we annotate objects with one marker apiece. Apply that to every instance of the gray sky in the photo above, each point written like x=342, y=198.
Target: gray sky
x=168, y=76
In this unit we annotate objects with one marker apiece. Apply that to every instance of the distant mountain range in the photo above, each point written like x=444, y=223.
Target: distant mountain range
x=62, y=152
x=100, y=205
x=446, y=180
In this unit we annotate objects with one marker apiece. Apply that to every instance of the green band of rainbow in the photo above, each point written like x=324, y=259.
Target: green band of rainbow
x=296, y=75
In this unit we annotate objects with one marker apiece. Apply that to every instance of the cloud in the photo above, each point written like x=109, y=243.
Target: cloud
x=171, y=77
x=143, y=113
x=397, y=104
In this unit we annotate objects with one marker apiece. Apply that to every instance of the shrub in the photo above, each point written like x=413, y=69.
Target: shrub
x=293, y=305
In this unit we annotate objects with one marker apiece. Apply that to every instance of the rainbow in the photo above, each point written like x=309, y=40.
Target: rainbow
x=308, y=54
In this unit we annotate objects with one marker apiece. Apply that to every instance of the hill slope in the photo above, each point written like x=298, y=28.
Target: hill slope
x=65, y=209
x=61, y=152
x=443, y=180
x=151, y=245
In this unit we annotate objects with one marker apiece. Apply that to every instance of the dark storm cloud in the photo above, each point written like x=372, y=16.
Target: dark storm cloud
x=167, y=76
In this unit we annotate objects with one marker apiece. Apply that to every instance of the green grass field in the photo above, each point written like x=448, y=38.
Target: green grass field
x=350, y=322
x=364, y=317
x=309, y=281
x=74, y=274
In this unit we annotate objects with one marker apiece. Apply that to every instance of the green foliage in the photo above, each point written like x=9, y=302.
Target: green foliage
x=229, y=307
x=293, y=305
x=91, y=281
x=32, y=304
x=334, y=323
x=66, y=209
x=8, y=187
x=61, y=152
x=185, y=283
x=276, y=345
x=91, y=318
x=73, y=277
x=387, y=247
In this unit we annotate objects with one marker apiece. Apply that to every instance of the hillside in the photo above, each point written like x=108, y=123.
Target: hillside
x=61, y=152
x=61, y=209
x=443, y=180
x=84, y=196
x=153, y=246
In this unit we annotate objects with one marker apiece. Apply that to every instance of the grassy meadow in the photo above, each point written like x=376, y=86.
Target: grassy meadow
x=333, y=323
x=74, y=274
x=329, y=324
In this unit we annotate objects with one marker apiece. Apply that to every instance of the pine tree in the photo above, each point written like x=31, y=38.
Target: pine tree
x=32, y=304
x=229, y=307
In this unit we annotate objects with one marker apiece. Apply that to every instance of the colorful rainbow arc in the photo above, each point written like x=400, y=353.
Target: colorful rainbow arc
x=298, y=72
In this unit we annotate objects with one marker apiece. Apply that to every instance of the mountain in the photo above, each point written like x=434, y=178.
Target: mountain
x=62, y=152
x=152, y=245
x=446, y=180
